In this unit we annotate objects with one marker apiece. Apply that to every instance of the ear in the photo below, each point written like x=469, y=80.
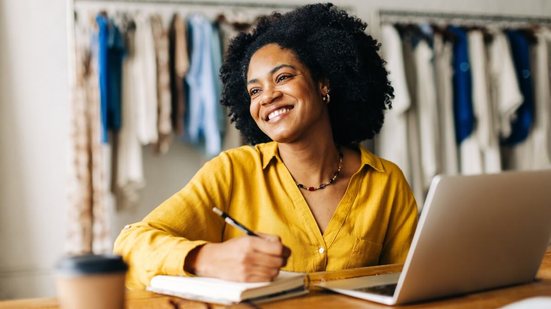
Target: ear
x=324, y=86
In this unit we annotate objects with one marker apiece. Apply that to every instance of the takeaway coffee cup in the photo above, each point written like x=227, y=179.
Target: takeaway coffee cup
x=91, y=281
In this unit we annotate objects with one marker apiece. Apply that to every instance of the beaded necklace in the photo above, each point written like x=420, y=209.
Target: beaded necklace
x=331, y=181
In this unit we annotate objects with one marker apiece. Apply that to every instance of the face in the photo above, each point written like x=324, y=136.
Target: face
x=286, y=103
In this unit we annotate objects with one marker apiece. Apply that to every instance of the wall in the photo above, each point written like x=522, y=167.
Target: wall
x=33, y=142
x=34, y=127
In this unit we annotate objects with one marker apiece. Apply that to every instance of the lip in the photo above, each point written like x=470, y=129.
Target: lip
x=269, y=111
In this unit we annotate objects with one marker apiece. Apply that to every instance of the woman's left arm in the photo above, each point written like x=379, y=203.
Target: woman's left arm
x=402, y=224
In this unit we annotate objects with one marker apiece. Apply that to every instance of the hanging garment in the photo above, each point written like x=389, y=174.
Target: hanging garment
x=541, y=132
x=115, y=53
x=444, y=97
x=103, y=75
x=462, y=100
x=146, y=81
x=392, y=142
x=409, y=40
x=517, y=148
x=130, y=175
x=524, y=119
x=470, y=152
x=505, y=91
x=232, y=137
x=539, y=137
x=485, y=151
x=202, y=120
x=532, y=153
x=427, y=111
x=178, y=67
x=216, y=55
x=110, y=53
x=470, y=161
x=164, y=123
x=88, y=224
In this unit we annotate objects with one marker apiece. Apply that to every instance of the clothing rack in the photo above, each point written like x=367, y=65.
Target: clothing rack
x=236, y=5
x=269, y=5
x=391, y=16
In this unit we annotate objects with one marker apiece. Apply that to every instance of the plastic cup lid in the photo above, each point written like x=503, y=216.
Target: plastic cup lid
x=91, y=264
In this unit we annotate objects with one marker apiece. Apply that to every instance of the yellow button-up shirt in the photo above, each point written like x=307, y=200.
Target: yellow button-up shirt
x=373, y=223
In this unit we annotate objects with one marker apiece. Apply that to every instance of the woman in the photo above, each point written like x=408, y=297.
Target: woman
x=304, y=88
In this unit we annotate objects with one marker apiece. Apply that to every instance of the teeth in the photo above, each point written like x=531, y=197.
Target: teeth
x=278, y=112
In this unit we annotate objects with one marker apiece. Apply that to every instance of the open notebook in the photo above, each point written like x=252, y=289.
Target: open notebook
x=285, y=285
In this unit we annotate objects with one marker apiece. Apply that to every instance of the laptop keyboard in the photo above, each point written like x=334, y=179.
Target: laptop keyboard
x=385, y=289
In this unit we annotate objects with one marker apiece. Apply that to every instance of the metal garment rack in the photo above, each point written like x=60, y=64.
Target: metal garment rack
x=269, y=5
x=393, y=16
x=73, y=4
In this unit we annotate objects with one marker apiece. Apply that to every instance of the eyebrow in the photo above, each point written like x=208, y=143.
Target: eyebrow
x=272, y=71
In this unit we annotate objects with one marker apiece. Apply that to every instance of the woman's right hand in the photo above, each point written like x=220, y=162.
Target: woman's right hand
x=246, y=259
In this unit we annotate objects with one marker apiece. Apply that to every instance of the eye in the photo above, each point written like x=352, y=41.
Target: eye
x=253, y=92
x=283, y=77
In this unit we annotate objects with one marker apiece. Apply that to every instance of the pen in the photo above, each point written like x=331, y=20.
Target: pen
x=231, y=221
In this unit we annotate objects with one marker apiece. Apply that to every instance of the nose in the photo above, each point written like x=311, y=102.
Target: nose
x=269, y=95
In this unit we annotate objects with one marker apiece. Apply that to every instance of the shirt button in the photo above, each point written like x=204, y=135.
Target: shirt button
x=321, y=250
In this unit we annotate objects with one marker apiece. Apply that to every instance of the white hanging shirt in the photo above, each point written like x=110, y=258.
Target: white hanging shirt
x=470, y=157
x=504, y=86
x=146, y=81
x=444, y=93
x=130, y=175
x=482, y=153
x=391, y=143
x=542, y=77
x=427, y=111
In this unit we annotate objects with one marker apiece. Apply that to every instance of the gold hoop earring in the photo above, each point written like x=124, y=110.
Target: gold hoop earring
x=326, y=99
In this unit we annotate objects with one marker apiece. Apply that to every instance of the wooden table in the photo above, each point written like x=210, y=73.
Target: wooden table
x=323, y=299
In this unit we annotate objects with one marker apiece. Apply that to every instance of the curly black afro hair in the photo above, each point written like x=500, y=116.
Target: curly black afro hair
x=335, y=48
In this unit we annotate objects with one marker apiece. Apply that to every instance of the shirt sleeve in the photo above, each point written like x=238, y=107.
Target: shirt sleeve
x=160, y=243
x=402, y=225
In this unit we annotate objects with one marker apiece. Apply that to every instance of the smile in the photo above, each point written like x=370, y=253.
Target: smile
x=278, y=112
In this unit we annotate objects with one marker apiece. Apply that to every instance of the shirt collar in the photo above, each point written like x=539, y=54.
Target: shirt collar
x=369, y=159
x=270, y=151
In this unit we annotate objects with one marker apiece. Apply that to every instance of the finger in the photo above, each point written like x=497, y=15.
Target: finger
x=268, y=246
x=266, y=260
x=270, y=237
x=286, y=251
x=259, y=273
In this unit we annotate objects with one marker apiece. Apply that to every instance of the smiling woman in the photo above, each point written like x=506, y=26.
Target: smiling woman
x=286, y=103
x=304, y=88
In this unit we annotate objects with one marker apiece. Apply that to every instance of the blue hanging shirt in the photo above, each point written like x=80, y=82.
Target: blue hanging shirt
x=521, y=125
x=103, y=75
x=111, y=50
x=203, y=93
x=216, y=53
x=115, y=54
x=462, y=85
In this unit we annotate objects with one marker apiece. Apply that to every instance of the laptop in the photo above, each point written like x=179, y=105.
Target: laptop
x=475, y=233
